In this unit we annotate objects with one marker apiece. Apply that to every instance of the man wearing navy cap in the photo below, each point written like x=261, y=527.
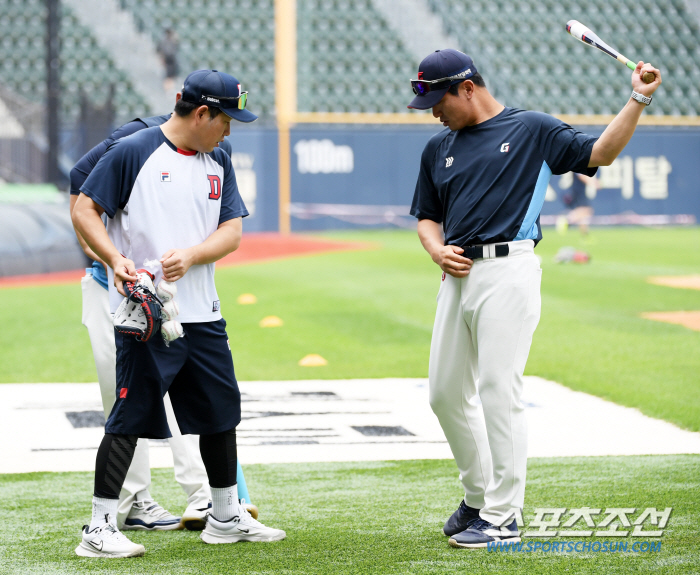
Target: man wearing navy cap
x=480, y=189
x=171, y=197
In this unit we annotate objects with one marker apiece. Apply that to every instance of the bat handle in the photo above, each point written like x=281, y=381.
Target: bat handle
x=647, y=78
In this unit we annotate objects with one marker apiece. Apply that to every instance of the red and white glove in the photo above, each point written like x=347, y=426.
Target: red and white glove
x=139, y=314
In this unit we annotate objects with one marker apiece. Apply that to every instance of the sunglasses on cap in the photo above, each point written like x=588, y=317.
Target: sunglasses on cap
x=224, y=102
x=423, y=87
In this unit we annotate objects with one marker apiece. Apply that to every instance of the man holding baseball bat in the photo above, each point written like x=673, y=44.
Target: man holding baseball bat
x=480, y=189
x=170, y=195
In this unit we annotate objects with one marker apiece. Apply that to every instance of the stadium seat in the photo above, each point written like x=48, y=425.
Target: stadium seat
x=342, y=39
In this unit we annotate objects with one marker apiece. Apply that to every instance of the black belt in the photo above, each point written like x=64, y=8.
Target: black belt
x=476, y=252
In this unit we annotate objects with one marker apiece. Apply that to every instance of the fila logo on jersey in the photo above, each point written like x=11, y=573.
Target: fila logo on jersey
x=505, y=147
x=165, y=176
x=448, y=161
x=215, y=187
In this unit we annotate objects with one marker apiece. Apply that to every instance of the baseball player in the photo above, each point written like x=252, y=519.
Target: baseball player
x=480, y=189
x=170, y=195
x=137, y=510
x=577, y=201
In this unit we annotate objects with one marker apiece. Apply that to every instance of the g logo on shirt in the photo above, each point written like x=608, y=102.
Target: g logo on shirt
x=505, y=147
x=215, y=185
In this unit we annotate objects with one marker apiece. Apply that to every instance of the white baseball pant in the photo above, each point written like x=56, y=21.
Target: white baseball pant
x=481, y=340
x=189, y=469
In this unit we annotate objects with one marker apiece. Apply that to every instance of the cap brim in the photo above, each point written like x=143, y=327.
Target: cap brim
x=429, y=100
x=240, y=115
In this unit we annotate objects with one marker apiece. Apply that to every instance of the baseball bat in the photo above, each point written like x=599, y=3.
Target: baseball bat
x=587, y=36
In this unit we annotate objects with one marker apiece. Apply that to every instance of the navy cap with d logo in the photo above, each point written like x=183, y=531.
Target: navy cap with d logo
x=450, y=66
x=219, y=90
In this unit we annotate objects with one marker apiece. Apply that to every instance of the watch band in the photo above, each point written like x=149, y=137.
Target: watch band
x=640, y=98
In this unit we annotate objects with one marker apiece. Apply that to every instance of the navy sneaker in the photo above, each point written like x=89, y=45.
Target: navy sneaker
x=481, y=533
x=461, y=519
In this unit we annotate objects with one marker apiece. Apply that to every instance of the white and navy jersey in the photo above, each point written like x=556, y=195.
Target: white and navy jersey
x=159, y=198
x=486, y=183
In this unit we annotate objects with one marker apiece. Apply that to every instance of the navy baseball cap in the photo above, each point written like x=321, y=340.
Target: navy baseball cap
x=219, y=90
x=451, y=66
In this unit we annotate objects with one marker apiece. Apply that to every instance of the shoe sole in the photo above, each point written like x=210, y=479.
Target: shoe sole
x=194, y=524
x=457, y=545
x=213, y=539
x=89, y=552
x=172, y=527
x=252, y=509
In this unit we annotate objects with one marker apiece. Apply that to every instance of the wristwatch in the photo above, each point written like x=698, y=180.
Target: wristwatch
x=640, y=98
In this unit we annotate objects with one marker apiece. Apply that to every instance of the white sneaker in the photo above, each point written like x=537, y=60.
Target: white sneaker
x=107, y=541
x=241, y=528
x=147, y=515
x=194, y=519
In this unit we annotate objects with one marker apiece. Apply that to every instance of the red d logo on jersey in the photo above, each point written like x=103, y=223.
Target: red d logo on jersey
x=215, y=184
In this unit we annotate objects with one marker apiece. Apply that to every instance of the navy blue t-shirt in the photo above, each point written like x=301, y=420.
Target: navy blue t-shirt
x=486, y=183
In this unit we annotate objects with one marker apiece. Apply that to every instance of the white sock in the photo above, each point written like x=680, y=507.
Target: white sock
x=224, y=502
x=100, y=509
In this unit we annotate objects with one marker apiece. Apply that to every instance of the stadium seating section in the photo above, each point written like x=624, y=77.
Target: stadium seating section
x=350, y=60
x=236, y=36
x=529, y=60
x=86, y=67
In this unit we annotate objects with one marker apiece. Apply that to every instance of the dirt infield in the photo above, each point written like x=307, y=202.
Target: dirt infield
x=254, y=248
x=273, y=246
x=683, y=282
x=689, y=319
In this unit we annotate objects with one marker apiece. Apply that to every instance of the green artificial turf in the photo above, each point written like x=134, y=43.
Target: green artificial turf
x=370, y=314
x=361, y=518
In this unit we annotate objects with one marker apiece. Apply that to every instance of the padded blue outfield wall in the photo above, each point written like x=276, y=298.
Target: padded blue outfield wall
x=254, y=157
x=355, y=176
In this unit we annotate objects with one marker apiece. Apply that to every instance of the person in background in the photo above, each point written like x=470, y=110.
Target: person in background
x=576, y=200
x=168, y=49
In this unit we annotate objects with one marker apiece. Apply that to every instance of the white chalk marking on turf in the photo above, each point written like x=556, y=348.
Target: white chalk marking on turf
x=324, y=420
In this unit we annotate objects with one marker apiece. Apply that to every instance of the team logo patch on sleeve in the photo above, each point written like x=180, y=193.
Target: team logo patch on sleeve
x=165, y=176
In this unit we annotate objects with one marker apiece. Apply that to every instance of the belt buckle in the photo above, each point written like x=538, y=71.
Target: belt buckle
x=474, y=252
x=501, y=250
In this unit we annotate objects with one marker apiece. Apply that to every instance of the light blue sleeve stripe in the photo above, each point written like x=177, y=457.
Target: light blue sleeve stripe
x=528, y=230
